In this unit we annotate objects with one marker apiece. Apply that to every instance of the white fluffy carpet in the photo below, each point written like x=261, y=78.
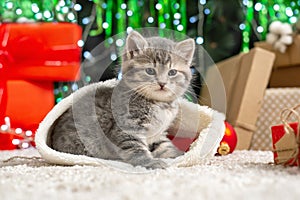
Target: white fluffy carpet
x=241, y=175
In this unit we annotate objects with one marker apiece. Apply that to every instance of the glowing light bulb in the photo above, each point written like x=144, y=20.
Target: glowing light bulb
x=202, y=2
x=150, y=20
x=113, y=57
x=77, y=7
x=110, y=40
x=65, y=9
x=74, y=86
x=19, y=11
x=176, y=6
x=15, y=142
x=18, y=130
x=158, y=6
x=258, y=6
x=162, y=25
x=177, y=16
x=61, y=3
x=276, y=7
x=9, y=5
x=129, y=29
x=293, y=19
x=38, y=16
x=193, y=19
x=88, y=79
x=47, y=14
x=87, y=54
x=80, y=43
x=176, y=22
x=25, y=145
x=28, y=133
x=86, y=20
x=242, y=26
x=206, y=11
x=65, y=88
x=129, y=13
x=166, y=15
x=119, y=42
x=35, y=8
x=105, y=25
x=123, y=6
x=4, y=128
x=71, y=16
x=180, y=27
x=104, y=5
x=260, y=29
x=289, y=12
x=199, y=40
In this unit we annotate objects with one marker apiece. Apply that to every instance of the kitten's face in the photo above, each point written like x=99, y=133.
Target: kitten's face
x=157, y=68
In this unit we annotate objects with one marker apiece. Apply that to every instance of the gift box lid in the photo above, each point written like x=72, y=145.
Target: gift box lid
x=289, y=58
x=40, y=51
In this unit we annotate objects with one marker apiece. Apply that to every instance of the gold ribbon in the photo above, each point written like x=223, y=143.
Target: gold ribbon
x=287, y=148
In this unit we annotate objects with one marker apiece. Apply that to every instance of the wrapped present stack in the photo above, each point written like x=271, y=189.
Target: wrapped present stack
x=283, y=91
x=245, y=79
x=258, y=86
x=33, y=56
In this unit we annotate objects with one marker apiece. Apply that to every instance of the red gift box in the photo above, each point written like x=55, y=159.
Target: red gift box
x=28, y=102
x=285, y=138
x=6, y=142
x=40, y=51
x=32, y=57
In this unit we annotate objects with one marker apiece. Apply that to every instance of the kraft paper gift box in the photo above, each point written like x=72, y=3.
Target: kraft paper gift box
x=33, y=56
x=286, y=68
x=274, y=101
x=245, y=79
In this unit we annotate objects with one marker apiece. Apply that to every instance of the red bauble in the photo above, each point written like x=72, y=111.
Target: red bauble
x=229, y=141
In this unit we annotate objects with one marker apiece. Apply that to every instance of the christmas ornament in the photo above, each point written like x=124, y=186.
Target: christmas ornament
x=227, y=144
x=229, y=141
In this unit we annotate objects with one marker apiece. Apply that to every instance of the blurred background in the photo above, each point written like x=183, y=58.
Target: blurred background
x=222, y=28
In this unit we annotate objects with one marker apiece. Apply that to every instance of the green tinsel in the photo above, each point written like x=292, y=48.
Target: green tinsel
x=119, y=15
x=36, y=10
x=268, y=11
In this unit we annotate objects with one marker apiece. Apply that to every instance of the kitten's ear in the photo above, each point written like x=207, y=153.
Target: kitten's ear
x=135, y=41
x=186, y=49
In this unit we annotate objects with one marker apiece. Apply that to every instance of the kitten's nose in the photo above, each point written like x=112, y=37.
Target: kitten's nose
x=162, y=85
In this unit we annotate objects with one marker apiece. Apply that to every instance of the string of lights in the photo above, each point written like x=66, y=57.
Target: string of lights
x=19, y=138
x=267, y=11
x=113, y=17
x=35, y=11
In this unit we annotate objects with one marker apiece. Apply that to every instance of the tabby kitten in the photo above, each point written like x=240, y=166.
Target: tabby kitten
x=127, y=120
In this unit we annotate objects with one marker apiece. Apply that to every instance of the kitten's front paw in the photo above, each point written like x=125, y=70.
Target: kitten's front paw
x=175, y=153
x=156, y=164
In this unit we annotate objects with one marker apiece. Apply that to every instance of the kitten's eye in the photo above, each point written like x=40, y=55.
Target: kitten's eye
x=172, y=72
x=150, y=71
